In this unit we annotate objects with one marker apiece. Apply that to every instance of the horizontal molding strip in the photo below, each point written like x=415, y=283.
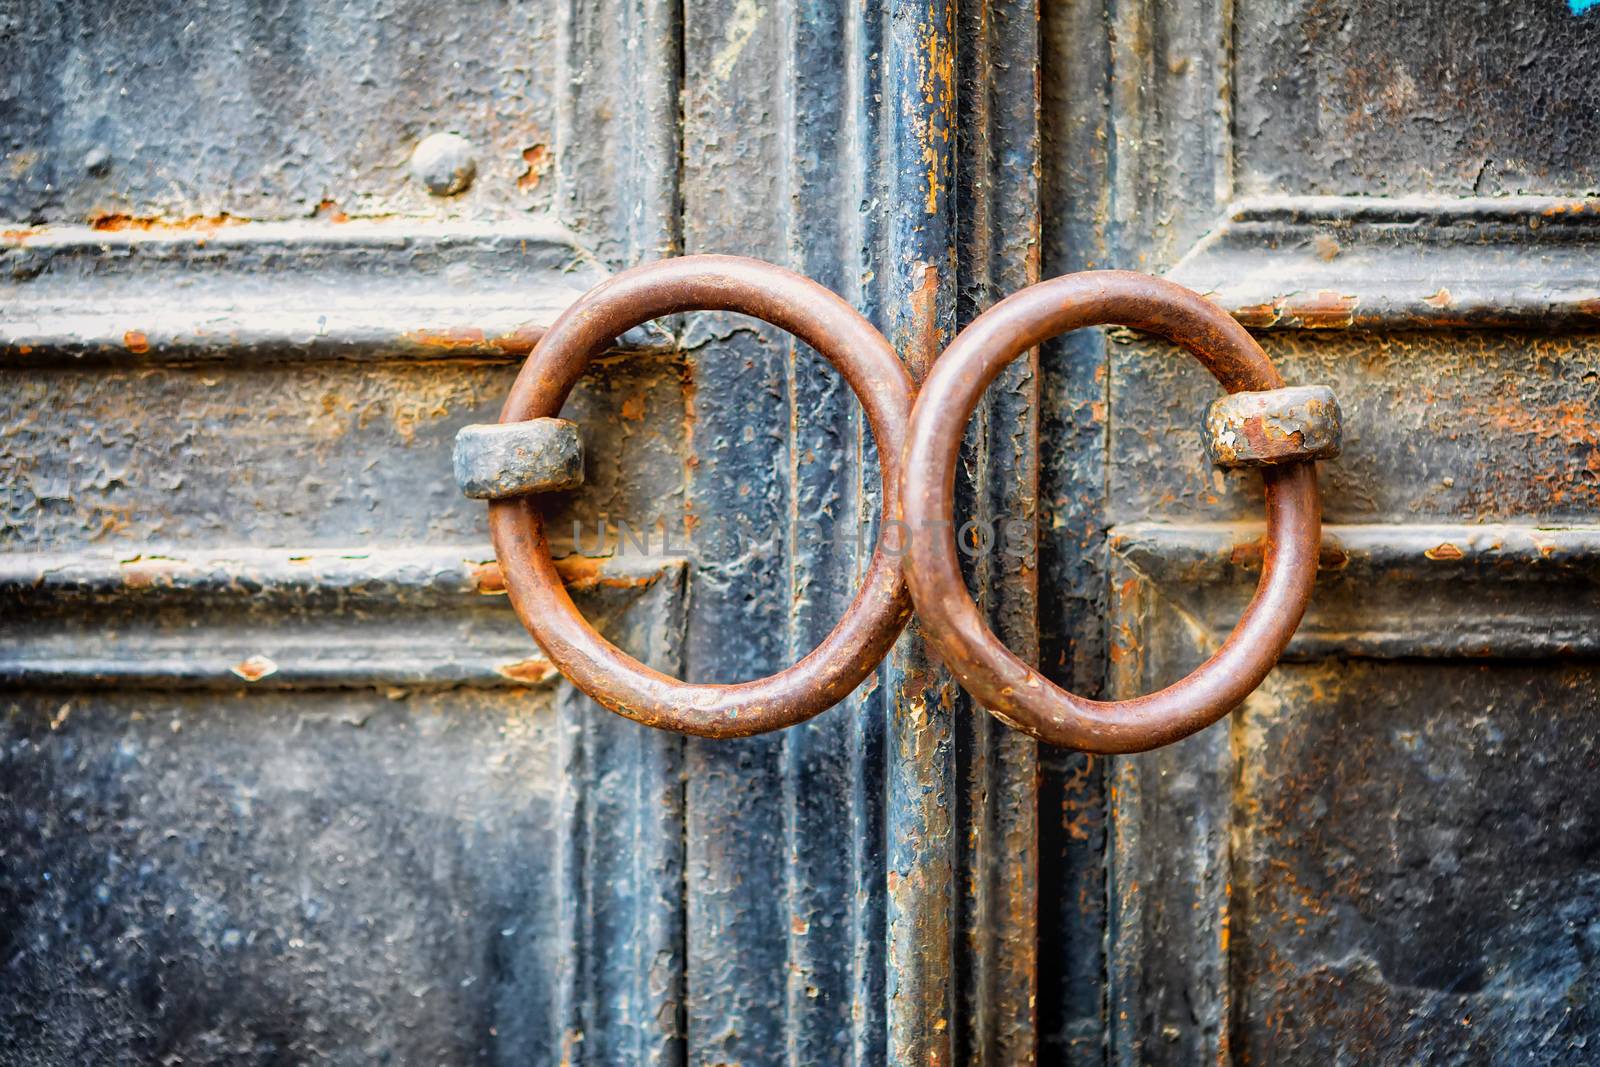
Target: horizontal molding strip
x=1393, y=591
x=280, y=618
x=215, y=290
x=1370, y=263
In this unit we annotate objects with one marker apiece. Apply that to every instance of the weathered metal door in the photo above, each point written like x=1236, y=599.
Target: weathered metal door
x=1387, y=855
x=284, y=780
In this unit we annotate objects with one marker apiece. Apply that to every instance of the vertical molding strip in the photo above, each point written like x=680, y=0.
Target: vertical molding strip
x=621, y=993
x=918, y=275
x=997, y=232
x=737, y=191
x=1171, y=810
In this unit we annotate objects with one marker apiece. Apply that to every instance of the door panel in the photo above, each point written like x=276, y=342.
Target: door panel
x=1399, y=97
x=1345, y=870
x=150, y=110
x=240, y=335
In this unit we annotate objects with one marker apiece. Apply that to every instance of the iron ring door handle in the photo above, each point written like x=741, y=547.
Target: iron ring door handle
x=1011, y=689
x=863, y=635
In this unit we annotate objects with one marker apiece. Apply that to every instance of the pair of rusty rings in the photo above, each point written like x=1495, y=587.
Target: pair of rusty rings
x=918, y=465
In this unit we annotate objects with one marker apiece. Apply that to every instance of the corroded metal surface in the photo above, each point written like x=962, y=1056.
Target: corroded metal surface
x=1294, y=424
x=852, y=650
x=499, y=460
x=1004, y=684
x=95, y=620
x=166, y=111
x=1379, y=263
x=1437, y=683
x=225, y=291
x=208, y=214
x=1381, y=97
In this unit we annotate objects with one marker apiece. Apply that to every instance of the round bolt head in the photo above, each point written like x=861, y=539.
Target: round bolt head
x=444, y=163
x=97, y=162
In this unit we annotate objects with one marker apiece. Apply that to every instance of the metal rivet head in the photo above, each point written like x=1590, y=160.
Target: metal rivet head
x=498, y=460
x=444, y=163
x=1274, y=426
x=97, y=162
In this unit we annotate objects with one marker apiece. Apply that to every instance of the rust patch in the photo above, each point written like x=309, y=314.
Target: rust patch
x=456, y=337
x=1253, y=554
x=537, y=157
x=1326, y=247
x=486, y=577
x=925, y=339
x=527, y=671
x=633, y=408
x=255, y=668
x=1259, y=316
x=1446, y=551
x=1270, y=440
x=1326, y=310
x=1566, y=421
x=329, y=211
x=1441, y=299
x=521, y=341
x=118, y=223
x=588, y=572
x=136, y=342
x=1572, y=207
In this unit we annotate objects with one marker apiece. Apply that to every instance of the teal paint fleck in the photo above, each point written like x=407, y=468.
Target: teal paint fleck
x=1580, y=6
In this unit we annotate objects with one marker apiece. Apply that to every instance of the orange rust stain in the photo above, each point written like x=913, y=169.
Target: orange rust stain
x=1441, y=299
x=18, y=236
x=1249, y=554
x=1326, y=247
x=937, y=67
x=1444, y=551
x=519, y=342
x=487, y=579
x=799, y=925
x=527, y=671
x=1568, y=420
x=329, y=211
x=1330, y=557
x=588, y=572
x=1124, y=645
x=464, y=337
x=1326, y=310
x=1572, y=207
x=136, y=342
x=538, y=160
x=925, y=341
x=115, y=222
x=633, y=407
x=255, y=668
x=1259, y=316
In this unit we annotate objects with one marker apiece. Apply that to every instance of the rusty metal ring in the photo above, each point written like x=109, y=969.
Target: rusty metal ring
x=1011, y=689
x=879, y=611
